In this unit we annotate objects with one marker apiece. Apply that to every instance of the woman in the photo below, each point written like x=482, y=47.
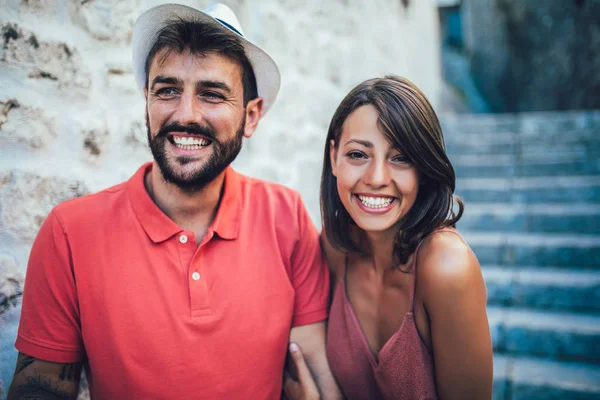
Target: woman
x=408, y=315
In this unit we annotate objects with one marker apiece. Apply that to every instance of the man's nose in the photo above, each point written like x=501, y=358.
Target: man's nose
x=189, y=109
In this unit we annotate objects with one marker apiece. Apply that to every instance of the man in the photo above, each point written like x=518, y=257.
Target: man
x=188, y=280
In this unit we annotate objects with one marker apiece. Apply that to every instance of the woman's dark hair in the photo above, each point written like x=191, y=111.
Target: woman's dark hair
x=201, y=38
x=409, y=123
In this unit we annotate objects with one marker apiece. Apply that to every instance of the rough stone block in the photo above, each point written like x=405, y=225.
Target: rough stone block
x=26, y=125
x=120, y=78
x=41, y=8
x=109, y=20
x=11, y=281
x=91, y=128
x=27, y=198
x=49, y=61
x=135, y=135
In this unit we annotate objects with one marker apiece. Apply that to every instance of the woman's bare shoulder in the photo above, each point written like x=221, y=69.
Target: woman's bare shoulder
x=446, y=262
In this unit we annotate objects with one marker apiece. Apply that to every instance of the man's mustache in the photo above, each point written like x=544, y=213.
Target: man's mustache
x=192, y=129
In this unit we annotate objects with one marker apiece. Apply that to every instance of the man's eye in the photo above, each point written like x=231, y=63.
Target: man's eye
x=166, y=92
x=213, y=95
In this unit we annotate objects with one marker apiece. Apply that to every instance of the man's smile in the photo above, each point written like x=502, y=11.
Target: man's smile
x=189, y=142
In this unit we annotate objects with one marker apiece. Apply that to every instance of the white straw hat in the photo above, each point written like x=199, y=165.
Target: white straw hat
x=149, y=24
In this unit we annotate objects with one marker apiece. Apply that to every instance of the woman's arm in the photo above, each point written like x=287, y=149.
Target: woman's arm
x=454, y=296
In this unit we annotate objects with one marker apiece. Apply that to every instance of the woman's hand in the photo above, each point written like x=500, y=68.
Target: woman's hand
x=304, y=388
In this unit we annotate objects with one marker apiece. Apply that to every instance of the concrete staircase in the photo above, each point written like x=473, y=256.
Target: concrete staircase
x=531, y=184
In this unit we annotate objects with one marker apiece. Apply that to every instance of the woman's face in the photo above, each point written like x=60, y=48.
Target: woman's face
x=376, y=183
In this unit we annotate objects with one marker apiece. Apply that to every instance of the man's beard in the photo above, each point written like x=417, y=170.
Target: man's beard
x=222, y=155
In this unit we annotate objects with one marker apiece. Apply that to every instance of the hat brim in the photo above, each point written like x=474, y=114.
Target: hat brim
x=149, y=24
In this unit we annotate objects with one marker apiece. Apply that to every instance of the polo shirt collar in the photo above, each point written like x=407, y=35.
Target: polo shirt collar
x=227, y=221
x=159, y=227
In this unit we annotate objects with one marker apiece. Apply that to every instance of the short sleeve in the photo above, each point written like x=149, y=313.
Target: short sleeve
x=310, y=274
x=50, y=326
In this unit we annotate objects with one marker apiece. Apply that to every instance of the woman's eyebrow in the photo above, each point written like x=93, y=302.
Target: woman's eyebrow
x=365, y=143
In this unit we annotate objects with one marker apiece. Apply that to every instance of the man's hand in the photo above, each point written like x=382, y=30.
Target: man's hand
x=304, y=388
x=311, y=338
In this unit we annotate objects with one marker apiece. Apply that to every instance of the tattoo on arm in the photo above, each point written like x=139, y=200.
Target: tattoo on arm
x=40, y=388
x=38, y=379
x=70, y=372
x=24, y=362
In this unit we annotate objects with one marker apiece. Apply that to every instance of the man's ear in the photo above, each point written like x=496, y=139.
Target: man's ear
x=254, y=110
x=333, y=157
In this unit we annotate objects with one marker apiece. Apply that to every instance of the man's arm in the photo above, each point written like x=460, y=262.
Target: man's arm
x=44, y=380
x=311, y=339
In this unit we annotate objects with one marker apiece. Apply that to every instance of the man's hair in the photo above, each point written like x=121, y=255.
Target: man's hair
x=409, y=123
x=200, y=38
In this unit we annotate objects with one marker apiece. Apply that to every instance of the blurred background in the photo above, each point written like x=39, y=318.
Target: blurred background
x=515, y=84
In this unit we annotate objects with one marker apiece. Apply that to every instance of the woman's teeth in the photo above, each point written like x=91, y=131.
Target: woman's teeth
x=376, y=202
x=189, y=143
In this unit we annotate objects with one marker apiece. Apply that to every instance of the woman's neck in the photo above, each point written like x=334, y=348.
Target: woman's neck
x=381, y=248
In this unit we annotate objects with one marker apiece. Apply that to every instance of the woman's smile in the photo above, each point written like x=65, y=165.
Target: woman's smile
x=377, y=204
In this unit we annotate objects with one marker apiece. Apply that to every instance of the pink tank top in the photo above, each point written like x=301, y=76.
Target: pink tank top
x=405, y=366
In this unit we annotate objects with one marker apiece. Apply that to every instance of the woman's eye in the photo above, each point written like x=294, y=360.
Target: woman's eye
x=355, y=155
x=400, y=159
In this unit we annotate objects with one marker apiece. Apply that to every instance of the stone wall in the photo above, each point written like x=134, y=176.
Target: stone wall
x=530, y=55
x=71, y=119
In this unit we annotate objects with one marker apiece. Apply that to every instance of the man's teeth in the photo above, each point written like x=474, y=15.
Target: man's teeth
x=376, y=202
x=189, y=143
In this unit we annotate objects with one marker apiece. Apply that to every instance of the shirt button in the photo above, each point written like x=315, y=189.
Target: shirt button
x=195, y=276
x=183, y=239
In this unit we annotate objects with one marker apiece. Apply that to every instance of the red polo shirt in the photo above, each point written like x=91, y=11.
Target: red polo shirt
x=114, y=283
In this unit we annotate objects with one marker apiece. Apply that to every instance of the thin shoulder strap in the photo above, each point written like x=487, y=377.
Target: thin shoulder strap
x=345, y=268
x=414, y=265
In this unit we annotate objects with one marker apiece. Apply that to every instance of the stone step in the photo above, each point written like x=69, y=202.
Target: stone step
x=457, y=146
x=537, y=125
x=527, y=378
x=550, y=250
x=547, y=189
x=547, y=334
x=512, y=165
x=543, y=288
x=541, y=217
x=458, y=136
